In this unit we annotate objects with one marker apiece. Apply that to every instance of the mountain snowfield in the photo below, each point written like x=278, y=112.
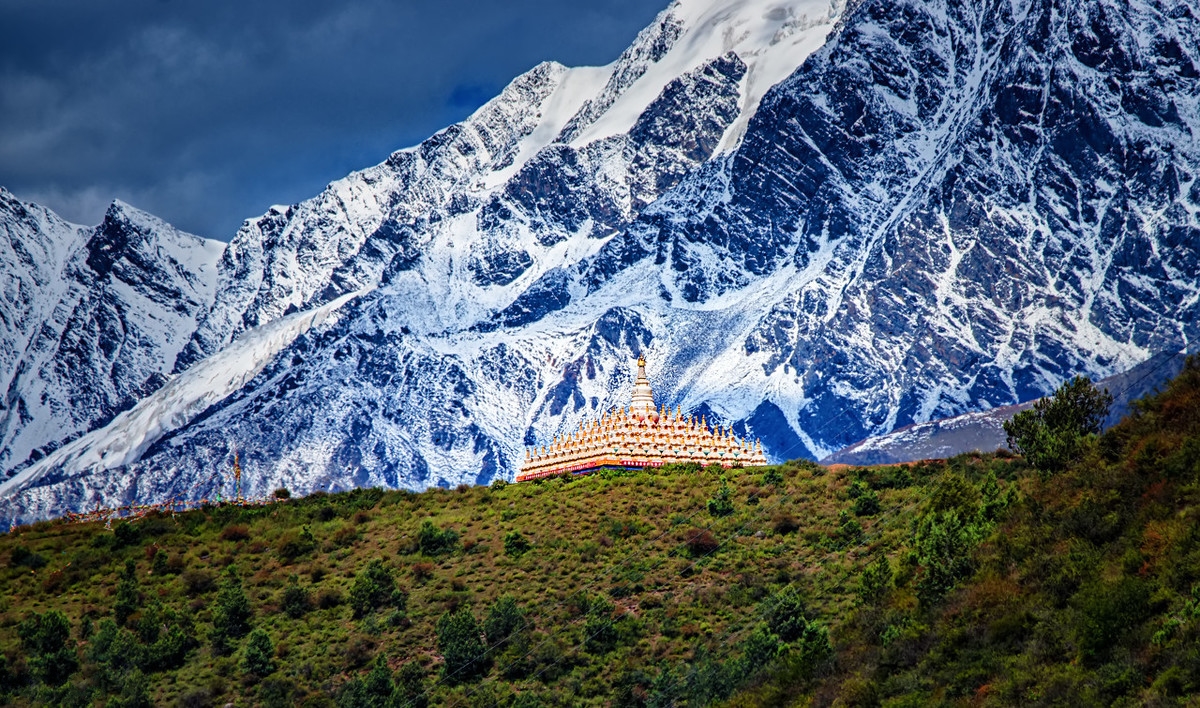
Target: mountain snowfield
x=819, y=226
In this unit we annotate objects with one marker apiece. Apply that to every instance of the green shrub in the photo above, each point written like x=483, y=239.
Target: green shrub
x=126, y=534
x=277, y=693
x=196, y=582
x=22, y=557
x=294, y=545
x=700, y=542
x=328, y=598
x=515, y=544
x=235, y=533
x=772, y=477
x=295, y=602
x=954, y=492
x=434, y=541
x=784, y=523
x=866, y=503
x=1106, y=612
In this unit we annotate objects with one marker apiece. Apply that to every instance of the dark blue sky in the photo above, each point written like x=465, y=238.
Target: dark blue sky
x=206, y=113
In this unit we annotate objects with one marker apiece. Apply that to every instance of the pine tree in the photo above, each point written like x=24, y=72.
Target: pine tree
x=378, y=686
x=410, y=686
x=46, y=640
x=374, y=587
x=504, y=618
x=259, y=655
x=458, y=639
x=1051, y=433
x=721, y=504
x=876, y=581
x=232, y=614
x=129, y=597
x=785, y=614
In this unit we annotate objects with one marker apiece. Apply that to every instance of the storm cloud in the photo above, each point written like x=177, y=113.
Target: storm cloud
x=207, y=113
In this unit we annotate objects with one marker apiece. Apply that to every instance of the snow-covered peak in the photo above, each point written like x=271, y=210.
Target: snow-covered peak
x=772, y=37
x=177, y=403
x=95, y=318
x=123, y=211
x=130, y=233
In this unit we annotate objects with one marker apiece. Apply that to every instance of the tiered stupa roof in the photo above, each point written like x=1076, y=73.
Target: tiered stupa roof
x=641, y=435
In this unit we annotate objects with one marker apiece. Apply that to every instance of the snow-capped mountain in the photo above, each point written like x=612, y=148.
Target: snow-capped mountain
x=92, y=319
x=821, y=223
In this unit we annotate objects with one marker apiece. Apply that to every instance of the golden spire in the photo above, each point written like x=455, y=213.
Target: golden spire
x=643, y=396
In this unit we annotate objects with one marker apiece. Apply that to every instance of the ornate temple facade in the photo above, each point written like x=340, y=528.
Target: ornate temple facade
x=641, y=435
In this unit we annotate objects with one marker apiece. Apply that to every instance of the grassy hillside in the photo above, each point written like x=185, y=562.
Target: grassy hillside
x=622, y=576
x=976, y=581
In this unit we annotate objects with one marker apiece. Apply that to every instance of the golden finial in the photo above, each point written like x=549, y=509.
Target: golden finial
x=642, y=360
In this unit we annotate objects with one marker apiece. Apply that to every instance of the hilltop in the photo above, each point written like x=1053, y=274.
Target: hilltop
x=975, y=580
